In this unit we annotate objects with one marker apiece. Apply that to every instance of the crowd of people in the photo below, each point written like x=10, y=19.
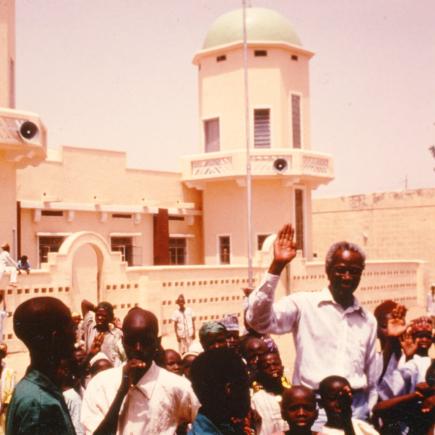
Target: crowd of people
x=354, y=372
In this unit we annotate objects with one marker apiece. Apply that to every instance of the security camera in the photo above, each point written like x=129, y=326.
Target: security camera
x=280, y=165
x=28, y=130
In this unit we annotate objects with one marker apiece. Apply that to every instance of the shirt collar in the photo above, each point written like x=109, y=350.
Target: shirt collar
x=325, y=297
x=38, y=378
x=148, y=381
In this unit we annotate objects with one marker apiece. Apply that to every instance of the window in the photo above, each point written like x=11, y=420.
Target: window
x=260, y=53
x=221, y=58
x=224, y=249
x=51, y=212
x=296, y=120
x=262, y=128
x=294, y=57
x=48, y=244
x=211, y=133
x=177, y=250
x=121, y=216
x=299, y=218
x=260, y=240
x=125, y=246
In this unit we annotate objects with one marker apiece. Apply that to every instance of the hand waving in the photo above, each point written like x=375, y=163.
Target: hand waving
x=396, y=325
x=284, y=249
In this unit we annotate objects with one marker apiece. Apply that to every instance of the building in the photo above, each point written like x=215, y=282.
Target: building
x=94, y=228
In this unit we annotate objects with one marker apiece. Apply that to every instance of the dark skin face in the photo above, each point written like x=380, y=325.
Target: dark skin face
x=140, y=343
x=102, y=319
x=217, y=340
x=181, y=303
x=233, y=339
x=298, y=408
x=337, y=402
x=187, y=364
x=344, y=275
x=254, y=349
x=423, y=340
x=173, y=362
x=270, y=366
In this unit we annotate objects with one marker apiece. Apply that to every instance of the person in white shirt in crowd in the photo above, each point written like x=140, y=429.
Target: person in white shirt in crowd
x=336, y=399
x=415, y=368
x=268, y=390
x=100, y=335
x=333, y=333
x=4, y=313
x=184, y=325
x=139, y=397
x=7, y=385
x=390, y=317
x=8, y=264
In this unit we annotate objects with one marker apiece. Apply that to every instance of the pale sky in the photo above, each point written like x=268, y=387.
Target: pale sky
x=118, y=75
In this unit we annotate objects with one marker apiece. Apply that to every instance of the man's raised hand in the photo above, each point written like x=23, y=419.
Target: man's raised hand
x=284, y=249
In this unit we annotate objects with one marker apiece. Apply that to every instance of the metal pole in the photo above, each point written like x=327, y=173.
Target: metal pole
x=248, y=156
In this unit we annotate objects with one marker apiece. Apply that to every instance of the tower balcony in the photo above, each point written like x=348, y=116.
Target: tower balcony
x=23, y=138
x=293, y=166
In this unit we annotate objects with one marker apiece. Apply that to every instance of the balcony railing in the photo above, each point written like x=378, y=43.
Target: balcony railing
x=23, y=137
x=265, y=163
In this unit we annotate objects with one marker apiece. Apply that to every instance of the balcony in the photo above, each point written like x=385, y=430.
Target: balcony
x=23, y=138
x=291, y=165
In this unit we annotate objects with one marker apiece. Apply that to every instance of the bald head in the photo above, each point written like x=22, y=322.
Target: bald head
x=140, y=328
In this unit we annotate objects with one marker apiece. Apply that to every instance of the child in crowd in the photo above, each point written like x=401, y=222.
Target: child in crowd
x=23, y=264
x=336, y=398
x=186, y=363
x=414, y=413
x=267, y=393
x=172, y=361
x=414, y=370
x=299, y=410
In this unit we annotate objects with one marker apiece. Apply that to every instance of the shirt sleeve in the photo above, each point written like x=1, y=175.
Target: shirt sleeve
x=265, y=316
x=92, y=412
x=371, y=369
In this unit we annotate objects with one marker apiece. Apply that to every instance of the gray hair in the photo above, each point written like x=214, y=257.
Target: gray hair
x=343, y=246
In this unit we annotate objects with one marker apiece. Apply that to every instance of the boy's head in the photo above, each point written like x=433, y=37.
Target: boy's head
x=172, y=360
x=5, y=247
x=188, y=359
x=104, y=315
x=251, y=349
x=220, y=382
x=24, y=258
x=421, y=332
x=3, y=350
x=231, y=323
x=45, y=326
x=299, y=408
x=270, y=370
x=382, y=314
x=99, y=366
x=336, y=398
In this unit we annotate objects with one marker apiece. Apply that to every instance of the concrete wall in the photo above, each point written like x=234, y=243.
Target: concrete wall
x=394, y=225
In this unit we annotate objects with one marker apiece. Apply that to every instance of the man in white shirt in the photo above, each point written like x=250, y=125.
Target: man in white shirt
x=138, y=397
x=184, y=325
x=333, y=333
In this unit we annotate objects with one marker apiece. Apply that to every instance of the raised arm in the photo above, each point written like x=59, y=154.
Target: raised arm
x=261, y=313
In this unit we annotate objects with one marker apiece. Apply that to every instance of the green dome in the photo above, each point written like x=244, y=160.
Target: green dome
x=261, y=25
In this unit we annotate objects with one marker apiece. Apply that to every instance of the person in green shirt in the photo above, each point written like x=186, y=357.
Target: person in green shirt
x=37, y=407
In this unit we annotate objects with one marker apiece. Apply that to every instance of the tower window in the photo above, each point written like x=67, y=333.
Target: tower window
x=221, y=58
x=224, y=249
x=260, y=53
x=299, y=218
x=260, y=240
x=262, y=128
x=296, y=120
x=211, y=133
x=294, y=57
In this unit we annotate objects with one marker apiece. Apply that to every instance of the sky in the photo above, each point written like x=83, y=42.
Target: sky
x=118, y=75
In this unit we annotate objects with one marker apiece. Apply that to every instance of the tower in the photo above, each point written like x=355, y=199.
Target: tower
x=284, y=168
x=22, y=134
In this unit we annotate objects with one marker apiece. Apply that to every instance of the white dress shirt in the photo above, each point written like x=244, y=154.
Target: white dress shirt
x=360, y=428
x=329, y=340
x=156, y=405
x=268, y=405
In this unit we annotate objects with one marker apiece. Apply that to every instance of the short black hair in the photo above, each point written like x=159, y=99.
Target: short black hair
x=212, y=370
x=326, y=383
x=37, y=318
